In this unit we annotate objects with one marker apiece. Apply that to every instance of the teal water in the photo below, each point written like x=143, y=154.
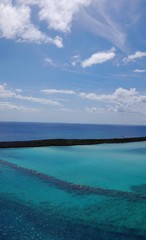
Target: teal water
x=80, y=192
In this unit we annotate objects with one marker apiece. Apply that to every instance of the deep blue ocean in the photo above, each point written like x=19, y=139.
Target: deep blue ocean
x=16, y=131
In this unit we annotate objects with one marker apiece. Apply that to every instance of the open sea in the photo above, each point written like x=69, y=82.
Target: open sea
x=95, y=192
x=16, y=131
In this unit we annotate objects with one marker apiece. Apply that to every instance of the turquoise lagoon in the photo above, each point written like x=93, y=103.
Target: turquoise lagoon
x=93, y=192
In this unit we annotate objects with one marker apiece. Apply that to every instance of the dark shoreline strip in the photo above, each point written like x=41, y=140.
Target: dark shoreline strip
x=76, y=188
x=67, y=142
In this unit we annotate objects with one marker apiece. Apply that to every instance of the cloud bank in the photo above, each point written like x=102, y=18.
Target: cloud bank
x=122, y=100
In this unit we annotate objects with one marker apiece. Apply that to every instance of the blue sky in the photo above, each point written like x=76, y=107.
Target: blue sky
x=80, y=61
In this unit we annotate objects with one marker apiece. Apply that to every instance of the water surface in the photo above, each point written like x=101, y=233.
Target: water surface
x=49, y=192
x=18, y=131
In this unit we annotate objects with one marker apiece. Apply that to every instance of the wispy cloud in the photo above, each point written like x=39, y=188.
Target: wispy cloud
x=76, y=59
x=58, y=91
x=11, y=106
x=66, y=110
x=98, y=58
x=139, y=70
x=133, y=57
x=95, y=110
x=38, y=100
x=5, y=93
x=104, y=18
x=50, y=62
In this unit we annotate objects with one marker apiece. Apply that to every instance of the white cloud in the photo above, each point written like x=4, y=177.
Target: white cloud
x=139, y=70
x=5, y=93
x=103, y=17
x=59, y=14
x=8, y=94
x=98, y=58
x=120, y=95
x=122, y=100
x=136, y=55
x=10, y=106
x=15, y=23
x=58, y=91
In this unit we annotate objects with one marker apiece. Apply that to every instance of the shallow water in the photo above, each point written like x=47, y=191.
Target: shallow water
x=80, y=192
